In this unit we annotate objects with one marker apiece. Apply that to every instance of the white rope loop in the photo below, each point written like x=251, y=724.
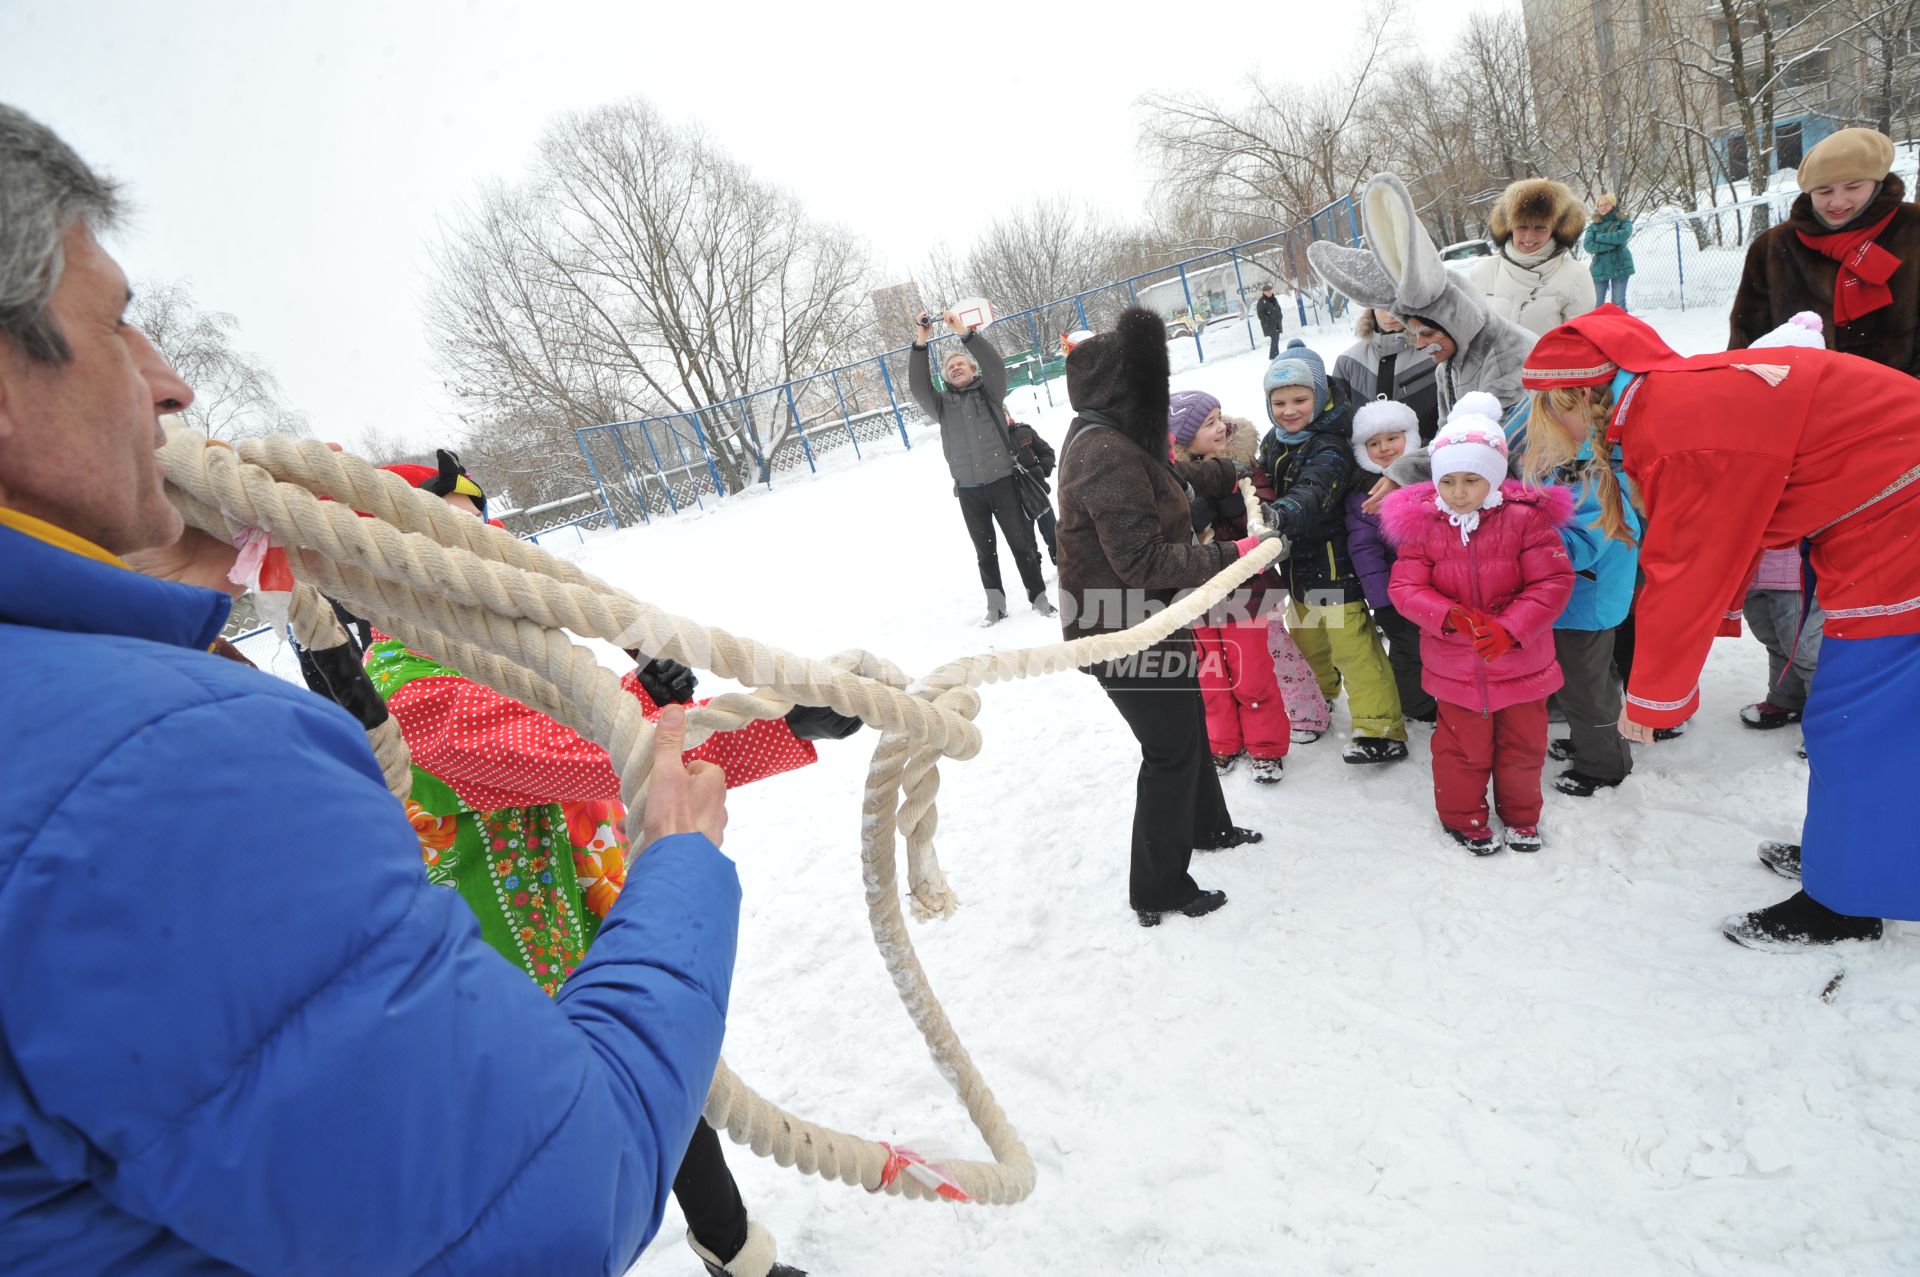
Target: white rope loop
x=500, y=610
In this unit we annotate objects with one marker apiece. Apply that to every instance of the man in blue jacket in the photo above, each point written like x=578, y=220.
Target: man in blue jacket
x=239, y=1031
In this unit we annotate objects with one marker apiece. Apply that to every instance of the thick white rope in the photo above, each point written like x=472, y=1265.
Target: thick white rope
x=500, y=610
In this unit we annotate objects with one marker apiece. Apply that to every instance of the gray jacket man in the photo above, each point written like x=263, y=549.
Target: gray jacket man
x=970, y=408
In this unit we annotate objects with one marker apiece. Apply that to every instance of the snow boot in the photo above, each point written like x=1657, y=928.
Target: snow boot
x=1198, y=907
x=1043, y=606
x=1782, y=857
x=1234, y=836
x=1798, y=922
x=1267, y=771
x=1766, y=716
x=1224, y=763
x=1374, y=749
x=996, y=613
x=1560, y=749
x=1480, y=842
x=1670, y=733
x=1523, y=838
x=1305, y=735
x=756, y=1258
x=1577, y=784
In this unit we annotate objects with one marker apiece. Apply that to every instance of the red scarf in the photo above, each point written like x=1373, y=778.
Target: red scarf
x=1865, y=268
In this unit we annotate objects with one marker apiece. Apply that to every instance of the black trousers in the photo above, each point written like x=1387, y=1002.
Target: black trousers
x=999, y=502
x=1177, y=801
x=1273, y=344
x=1047, y=523
x=708, y=1197
x=1403, y=654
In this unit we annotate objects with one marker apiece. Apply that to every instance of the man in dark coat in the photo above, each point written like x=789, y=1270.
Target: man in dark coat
x=1268, y=311
x=1849, y=252
x=971, y=410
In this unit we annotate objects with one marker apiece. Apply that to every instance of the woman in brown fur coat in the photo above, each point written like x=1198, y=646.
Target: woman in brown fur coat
x=1532, y=278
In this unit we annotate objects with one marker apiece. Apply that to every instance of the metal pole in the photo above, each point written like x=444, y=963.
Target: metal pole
x=712, y=471
x=680, y=454
x=659, y=469
x=579, y=437
x=1080, y=306
x=1246, y=311
x=1193, y=320
x=793, y=412
x=1680, y=264
x=634, y=478
x=886, y=379
x=1130, y=297
x=1040, y=352
x=841, y=396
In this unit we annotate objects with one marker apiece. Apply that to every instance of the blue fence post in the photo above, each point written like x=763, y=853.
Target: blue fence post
x=659, y=469
x=1040, y=353
x=638, y=480
x=680, y=455
x=1246, y=311
x=1193, y=320
x=886, y=379
x=700, y=436
x=1353, y=224
x=1680, y=264
x=1131, y=300
x=1080, y=307
x=579, y=437
x=844, y=419
x=793, y=413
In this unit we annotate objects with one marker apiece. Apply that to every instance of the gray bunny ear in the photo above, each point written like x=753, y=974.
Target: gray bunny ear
x=1352, y=272
x=1402, y=245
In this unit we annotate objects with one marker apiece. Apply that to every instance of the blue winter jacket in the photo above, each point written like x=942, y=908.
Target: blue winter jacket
x=1604, y=569
x=239, y=1032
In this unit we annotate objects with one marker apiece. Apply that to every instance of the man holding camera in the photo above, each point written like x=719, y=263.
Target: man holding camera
x=970, y=408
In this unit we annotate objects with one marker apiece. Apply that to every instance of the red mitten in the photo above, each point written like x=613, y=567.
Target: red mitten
x=1461, y=620
x=1491, y=640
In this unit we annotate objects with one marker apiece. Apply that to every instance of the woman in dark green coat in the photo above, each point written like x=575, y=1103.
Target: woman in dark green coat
x=1607, y=236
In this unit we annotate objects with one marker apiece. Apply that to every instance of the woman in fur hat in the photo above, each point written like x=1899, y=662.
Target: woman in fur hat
x=1126, y=549
x=1835, y=467
x=1849, y=252
x=1533, y=279
x=1246, y=706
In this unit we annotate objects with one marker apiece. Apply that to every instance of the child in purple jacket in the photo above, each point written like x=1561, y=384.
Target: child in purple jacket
x=1383, y=430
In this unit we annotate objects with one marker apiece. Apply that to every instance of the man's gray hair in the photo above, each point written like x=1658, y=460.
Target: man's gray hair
x=44, y=189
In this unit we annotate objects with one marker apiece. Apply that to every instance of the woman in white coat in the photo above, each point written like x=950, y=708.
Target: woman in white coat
x=1532, y=279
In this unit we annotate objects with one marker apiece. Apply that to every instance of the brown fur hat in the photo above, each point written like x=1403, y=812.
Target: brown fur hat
x=1536, y=199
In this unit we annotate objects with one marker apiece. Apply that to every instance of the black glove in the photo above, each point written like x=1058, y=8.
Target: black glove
x=666, y=682
x=821, y=722
x=337, y=674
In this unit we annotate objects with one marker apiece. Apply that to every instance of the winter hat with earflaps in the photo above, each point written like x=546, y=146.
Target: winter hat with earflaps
x=1472, y=446
x=1298, y=365
x=1381, y=417
x=1187, y=412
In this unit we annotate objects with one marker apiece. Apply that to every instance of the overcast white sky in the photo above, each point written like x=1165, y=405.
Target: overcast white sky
x=292, y=161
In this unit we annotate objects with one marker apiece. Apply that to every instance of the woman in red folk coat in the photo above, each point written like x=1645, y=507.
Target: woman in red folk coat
x=1737, y=452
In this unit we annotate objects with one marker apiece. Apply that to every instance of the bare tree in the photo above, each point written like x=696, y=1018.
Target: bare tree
x=641, y=270
x=235, y=396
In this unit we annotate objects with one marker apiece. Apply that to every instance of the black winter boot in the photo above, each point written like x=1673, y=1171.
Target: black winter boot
x=1782, y=857
x=1577, y=784
x=1235, y=836
x=1268, y=771
x=1480, y=843
x=1560, y=749
x=755, y=1259
x=1798, y=922
x=1198, y=907
x=1374, y=749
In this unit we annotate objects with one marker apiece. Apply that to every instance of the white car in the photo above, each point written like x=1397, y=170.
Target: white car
x=1463, y=255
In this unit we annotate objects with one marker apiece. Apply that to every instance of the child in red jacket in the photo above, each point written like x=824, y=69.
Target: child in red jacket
x=1483, y=572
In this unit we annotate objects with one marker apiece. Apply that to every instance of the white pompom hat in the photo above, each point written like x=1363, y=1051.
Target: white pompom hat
x=1381, y=417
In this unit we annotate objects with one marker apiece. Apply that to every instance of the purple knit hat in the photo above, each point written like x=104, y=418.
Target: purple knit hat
x=1187, y=411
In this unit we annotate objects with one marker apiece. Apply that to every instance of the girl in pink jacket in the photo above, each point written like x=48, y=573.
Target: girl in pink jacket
x=1481, y=569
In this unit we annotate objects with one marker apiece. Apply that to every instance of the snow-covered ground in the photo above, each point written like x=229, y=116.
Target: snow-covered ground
x=1383, y=1056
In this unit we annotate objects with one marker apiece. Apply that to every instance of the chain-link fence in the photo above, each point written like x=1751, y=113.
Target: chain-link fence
x=1693, y=261
x=661, y=465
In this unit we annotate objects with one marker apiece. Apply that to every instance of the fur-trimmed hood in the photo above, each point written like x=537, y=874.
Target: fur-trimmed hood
x=1538, y=199
x=1243, y=441
x=1407, y=511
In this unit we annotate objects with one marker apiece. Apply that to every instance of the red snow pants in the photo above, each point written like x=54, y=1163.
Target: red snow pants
x=1244, y=708
x=1509, y=745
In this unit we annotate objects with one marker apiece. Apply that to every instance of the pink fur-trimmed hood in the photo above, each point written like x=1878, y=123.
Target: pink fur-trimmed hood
x=1409, y=511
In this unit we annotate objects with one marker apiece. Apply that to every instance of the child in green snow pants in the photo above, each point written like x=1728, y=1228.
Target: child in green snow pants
x=1340, y=641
